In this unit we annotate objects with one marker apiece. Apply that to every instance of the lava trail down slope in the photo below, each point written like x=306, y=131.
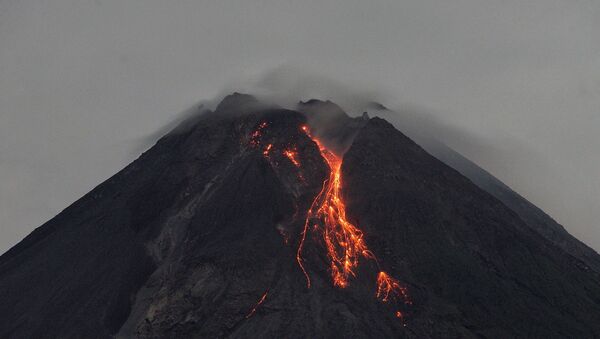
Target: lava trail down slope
x=343, y=240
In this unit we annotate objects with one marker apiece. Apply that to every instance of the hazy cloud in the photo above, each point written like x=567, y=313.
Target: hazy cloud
x=81, y=81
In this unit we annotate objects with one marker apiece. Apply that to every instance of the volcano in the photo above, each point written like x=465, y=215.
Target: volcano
x=257, y=221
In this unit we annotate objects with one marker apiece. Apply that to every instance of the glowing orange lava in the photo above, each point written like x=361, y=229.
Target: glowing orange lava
x=292, y=154
x=305, y=231
x=389, y=288
x=262, y=299
x=256, y=134
x=344, y=241
x=267, y=150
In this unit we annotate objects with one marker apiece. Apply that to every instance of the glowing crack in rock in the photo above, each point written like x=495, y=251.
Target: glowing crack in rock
x=267, y=150
x=262, y=299
x=292, y=154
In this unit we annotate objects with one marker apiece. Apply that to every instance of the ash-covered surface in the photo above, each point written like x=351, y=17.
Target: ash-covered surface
x=199, y=238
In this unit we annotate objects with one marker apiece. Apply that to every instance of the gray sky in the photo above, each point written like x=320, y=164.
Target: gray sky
x=83, y=82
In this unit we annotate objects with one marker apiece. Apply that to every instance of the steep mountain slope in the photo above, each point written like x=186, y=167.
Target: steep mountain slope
x=250, y=221
x=474, y=258
x=534, y=217
x=418, y=126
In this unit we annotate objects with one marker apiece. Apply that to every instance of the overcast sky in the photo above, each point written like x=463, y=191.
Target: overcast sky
x=84, y=82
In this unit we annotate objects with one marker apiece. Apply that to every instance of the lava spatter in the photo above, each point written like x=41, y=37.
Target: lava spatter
x=267, y=150
x=389, y=289
x=257, y=133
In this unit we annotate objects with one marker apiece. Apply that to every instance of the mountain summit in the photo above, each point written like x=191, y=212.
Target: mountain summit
x=258, y=221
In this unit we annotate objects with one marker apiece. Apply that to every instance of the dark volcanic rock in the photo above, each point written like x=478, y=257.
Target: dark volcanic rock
x=479, y=269
x=199, y=236
x=419, y=126
x=534, y=217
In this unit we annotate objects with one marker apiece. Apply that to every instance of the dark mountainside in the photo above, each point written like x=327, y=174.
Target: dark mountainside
x=200, y=236
x=534, y=217
x=416, y=125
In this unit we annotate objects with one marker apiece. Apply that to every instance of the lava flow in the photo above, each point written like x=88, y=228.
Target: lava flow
x=388, y=287
x=344, y=241
x=262, y=299
x=292, y=154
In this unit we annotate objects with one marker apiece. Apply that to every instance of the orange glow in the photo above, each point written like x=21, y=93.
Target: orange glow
x=267, y=149
x=262, y=299
x=343, y=240
x=305, y=230
x=292, y=154
x=257, y=133
x=388, y=287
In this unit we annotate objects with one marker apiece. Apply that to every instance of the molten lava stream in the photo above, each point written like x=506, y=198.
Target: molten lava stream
x=344, y=241
x=253, y=310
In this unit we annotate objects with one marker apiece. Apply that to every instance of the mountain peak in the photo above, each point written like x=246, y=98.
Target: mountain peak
x=322, y=110
x=376, y=106
x=237, y=102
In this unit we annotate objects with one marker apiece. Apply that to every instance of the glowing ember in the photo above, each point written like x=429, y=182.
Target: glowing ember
x=388, y=287
x=292, y=154
x=267, y=149
x=262, y=299
x=257, y=133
